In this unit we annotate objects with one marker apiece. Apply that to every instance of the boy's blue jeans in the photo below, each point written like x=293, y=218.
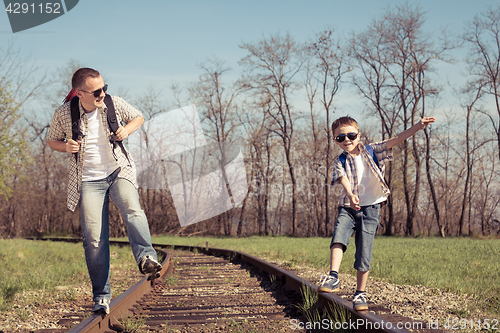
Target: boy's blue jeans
x=365, y=222
x=94, y=208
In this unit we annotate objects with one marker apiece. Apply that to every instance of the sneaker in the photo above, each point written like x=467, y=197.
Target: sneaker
x=101, y=306
x=150, y=267
x=359, y=302
x=328, y=284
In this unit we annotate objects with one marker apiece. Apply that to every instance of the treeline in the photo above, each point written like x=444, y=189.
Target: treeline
x=444, y=180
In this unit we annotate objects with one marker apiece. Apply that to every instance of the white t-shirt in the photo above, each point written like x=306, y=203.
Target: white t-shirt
x=98, y=160
x=370, y=190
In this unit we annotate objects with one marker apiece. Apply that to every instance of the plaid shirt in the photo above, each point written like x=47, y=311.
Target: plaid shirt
x=60, y=130
x=381, y=152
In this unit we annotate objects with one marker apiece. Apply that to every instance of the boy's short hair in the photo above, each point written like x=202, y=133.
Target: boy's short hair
x=344, y=121
x=79, y=77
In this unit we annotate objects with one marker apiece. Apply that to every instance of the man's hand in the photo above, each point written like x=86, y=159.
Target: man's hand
x=72, y=146
x=121, y=133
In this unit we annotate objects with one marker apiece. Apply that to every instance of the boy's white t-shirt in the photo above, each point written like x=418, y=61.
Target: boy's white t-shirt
x=370, y=190
x=98, y=160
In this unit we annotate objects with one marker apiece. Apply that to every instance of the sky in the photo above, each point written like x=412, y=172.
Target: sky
x=135, y=44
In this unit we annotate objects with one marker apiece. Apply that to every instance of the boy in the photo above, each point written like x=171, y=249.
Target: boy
x=359, y=205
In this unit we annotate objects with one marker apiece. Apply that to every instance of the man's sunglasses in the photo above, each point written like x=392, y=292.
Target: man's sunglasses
x=98, y=92
x=351, y=136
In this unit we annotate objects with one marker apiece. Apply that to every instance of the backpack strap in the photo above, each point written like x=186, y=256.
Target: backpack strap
x=111, y=114
x=75, y=118
x=343, y=156
x=113, y=124
x=75, y=121
x=372, y=154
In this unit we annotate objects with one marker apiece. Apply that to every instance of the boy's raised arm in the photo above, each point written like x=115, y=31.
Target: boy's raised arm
x=423, y=123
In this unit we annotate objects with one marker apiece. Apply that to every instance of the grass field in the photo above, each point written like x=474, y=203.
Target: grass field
x=41, y=265
x=460, y=265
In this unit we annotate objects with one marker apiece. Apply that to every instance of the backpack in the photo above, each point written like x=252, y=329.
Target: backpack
x=111, y=116
x=111, y=113
x=343, y=156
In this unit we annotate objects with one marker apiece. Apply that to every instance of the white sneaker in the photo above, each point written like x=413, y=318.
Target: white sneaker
x=328, y=284
x=102, y=306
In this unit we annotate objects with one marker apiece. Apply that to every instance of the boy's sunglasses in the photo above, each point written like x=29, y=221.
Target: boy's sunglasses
x=351, y=136
x=97, y=92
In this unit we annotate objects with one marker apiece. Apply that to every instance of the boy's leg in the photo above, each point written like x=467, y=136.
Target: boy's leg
x=367, y=222
x=344, y=228
x=366, y=227
x=361, y=280
x=336, y=254
x=359, y=299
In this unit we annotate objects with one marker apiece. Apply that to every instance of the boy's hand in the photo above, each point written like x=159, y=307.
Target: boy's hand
x=354, y=202
x=424, y=122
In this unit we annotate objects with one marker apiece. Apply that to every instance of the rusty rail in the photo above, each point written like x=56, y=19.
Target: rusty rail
x=359, y=319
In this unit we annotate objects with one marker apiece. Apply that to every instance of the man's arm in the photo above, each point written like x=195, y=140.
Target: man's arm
x=124, y=131
x=423, y=123
x=69, y=146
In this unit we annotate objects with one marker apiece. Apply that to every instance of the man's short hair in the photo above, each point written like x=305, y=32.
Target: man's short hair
x=344, y=121
x=81, y=75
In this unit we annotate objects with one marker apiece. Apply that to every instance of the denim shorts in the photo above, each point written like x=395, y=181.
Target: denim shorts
x=365, y=222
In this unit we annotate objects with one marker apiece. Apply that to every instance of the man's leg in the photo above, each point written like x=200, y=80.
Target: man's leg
x=94, y=203
x=125, y=196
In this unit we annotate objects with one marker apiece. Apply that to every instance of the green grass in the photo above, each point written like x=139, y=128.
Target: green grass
x=42, y=265
x=459, y=265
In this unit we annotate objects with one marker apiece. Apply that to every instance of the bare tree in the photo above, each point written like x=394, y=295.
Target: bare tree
x=483, y=37
x=219, y=108
x=18, y=85
x=327, y=67
x=271, y=66
x=255, y=120
x=393, y=57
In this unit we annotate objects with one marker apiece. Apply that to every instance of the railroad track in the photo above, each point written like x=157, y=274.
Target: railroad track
x=204, y=289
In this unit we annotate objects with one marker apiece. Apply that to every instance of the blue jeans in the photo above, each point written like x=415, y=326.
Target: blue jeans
x=94, y=208
x=365, y=222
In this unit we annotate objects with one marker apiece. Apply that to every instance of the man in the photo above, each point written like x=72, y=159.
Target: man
x=101, y=169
